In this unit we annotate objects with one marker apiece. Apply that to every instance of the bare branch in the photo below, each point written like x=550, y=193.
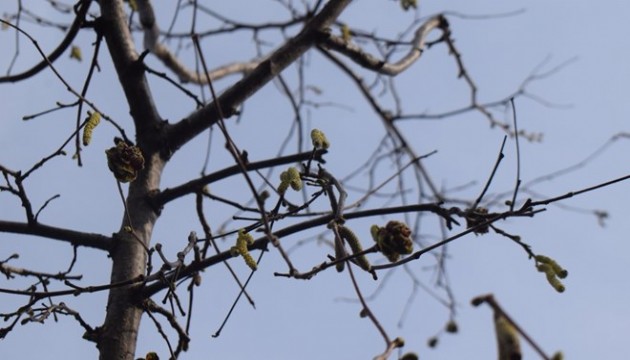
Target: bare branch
x=261, y=244
x=182, y=344
x=189, y=76
x=151, y=43
x=82, y=8
x=130, y=73
x=368, y=61
x=280, y=59
x=75, y=238
x=194, y=185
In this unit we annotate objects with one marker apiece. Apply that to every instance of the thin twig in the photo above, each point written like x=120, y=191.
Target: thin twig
x=366, y=309
x=208, y=233
x=518, y=156
x=241, y=292
x=494, y=170
x=128, y=216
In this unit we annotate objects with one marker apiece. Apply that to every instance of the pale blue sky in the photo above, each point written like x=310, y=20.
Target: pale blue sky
x=306, y=319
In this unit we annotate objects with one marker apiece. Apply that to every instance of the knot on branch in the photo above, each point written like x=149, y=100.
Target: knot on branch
x=476, y=218
x=124, y=160
x=393, y=240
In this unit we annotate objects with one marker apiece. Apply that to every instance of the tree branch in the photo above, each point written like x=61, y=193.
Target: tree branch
x=194, y=185
x=76, y=238
x=356, y=53
x=261, y=244
x=79, y=19
x=151, y=43
x=205, y=117
x=130, y=72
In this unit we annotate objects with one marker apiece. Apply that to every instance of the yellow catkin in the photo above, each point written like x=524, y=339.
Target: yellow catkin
x=507, y=339
x=552, y=270
x=242, y=241
x=291, y=178
x=284, y=182
x=75, y=53
x=294, y=179
x=92, y=122
x=553, y=281
x=356, y=247
x=319, y=139
x=557, y=269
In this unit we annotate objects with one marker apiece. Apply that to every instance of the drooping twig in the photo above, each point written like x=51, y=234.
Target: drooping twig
x=366, y=309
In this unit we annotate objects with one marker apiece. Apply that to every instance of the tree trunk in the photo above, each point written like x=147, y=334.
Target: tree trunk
x=118, y=336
